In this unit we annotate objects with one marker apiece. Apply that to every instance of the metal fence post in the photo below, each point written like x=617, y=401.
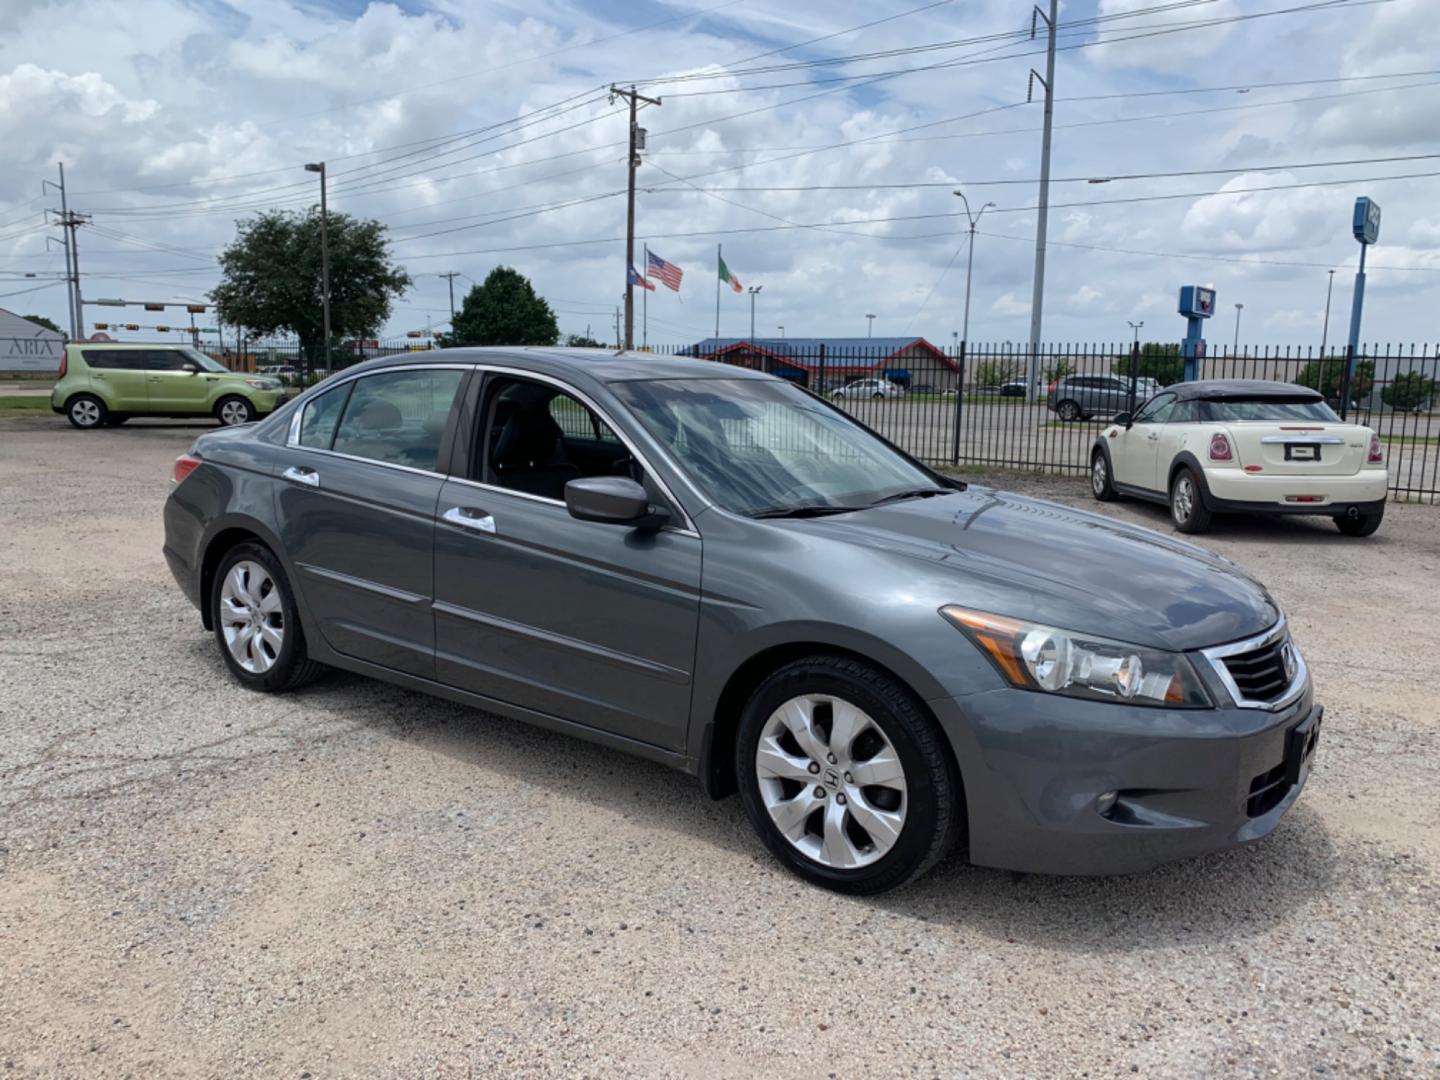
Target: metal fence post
x=821, y=390
x=959, y=397
x=1345, y=380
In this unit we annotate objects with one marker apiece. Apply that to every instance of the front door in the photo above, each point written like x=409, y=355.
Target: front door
x=174, y=389
x=356, y=506
x=1137, y=449
x=591, y=622
x=118, y=375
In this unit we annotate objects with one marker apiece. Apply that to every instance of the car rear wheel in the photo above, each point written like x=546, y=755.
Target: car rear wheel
x=846, y=778
x=1102, y=485
x=877, y=397
x=1362, y=525
x=86, y=411
x=231, y=411
x=1067, y=410
x=1187, y=504
x=256, y=623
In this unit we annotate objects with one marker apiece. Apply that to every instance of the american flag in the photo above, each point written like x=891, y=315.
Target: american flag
x=668, y=273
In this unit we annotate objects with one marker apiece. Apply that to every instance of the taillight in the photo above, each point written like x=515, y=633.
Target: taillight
x=185, y=464
x=1220, y=447
x=1377, y=453
x=64, y=364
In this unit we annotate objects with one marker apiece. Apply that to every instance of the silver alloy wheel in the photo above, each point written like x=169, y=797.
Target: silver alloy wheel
x=252, y=617
x=85, y=412
x=1182, y=499
x=234, y=412
x=1097, y=475
x=831, y=781
x=1068, y=410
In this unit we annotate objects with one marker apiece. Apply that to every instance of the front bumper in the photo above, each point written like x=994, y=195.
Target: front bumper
x=1189, y=781
x=1236, y=491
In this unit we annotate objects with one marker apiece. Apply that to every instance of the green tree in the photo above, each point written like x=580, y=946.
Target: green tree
x=271, y=280
x=1058, y=369
x=995, y=372
x=1408, y=391
x=1327, y=375
x=503, y=310
x=1159, y=360
x=580, y=341
x=41, y=320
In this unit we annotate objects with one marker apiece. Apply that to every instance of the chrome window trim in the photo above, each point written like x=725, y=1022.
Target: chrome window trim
x=370, y=461
x=1280, y=631
x=1303, y=440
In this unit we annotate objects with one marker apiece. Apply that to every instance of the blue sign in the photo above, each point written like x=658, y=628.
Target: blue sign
x=1366, y=223
x=1197, y=302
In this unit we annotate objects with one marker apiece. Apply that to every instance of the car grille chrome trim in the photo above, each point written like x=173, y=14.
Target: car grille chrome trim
x=1253, y=670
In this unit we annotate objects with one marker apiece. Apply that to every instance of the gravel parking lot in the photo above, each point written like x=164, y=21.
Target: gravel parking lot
x=356, y=880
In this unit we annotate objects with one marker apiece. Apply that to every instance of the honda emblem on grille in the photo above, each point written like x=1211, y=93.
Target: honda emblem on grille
x=1287, y=658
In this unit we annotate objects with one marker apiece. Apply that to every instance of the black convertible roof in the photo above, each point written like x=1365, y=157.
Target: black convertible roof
x=1243, y=390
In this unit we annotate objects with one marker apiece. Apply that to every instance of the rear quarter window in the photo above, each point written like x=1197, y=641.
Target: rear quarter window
x=1267, y=409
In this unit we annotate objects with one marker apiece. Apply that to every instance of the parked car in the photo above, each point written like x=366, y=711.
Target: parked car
x=1013, y=388
x=106, y=384
x=869, y=388
x=1079, y=397
x=284, y=372
x=882, y=661
x=1243, y=446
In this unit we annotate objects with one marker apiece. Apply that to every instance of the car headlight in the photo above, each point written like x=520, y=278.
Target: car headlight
x=263, y=384
x=1042, y=658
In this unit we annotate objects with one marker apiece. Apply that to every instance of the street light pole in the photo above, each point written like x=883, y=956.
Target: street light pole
x=870, y=326
x=1238, y=308
x=754, y=290
x=970, y=259
x=1325, y=330
x=319, y=167
x=1136, y=327
x=782, y=332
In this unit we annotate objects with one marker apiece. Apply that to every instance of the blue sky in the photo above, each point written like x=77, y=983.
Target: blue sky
x=177, y=117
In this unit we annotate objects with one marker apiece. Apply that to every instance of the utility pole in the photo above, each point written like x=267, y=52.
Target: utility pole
x=451, y=275
x=870, y=326
x=637, y=143
x=70, y=222
x=319, y=167
x=1037, y=299
x=754, y=291
x=1325, y=330
x=974, y=220
x=618, y=343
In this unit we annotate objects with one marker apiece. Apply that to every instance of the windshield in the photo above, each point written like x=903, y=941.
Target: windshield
x=202, y=361
x=1268, y=409
x=757, y=446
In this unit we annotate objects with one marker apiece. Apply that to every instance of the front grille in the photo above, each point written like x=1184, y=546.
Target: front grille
x=1267, y=791
x=1259, y=674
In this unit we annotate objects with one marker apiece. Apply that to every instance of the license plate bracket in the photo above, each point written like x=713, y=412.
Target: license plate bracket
x=1302, y=452
x=1300, y=745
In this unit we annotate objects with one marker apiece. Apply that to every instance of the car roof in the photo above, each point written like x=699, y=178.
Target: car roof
x=129, y=345
x=602, y=365
x=1242, y=390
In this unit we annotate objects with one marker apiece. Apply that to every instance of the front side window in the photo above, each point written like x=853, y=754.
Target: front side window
x=758, y=446
x=1156, y=410
x=166, y=359
x=398, y=417
x=1268, y=409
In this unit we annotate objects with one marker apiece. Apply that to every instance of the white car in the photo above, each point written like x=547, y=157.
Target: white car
x=870, y=388
x=1243, y=446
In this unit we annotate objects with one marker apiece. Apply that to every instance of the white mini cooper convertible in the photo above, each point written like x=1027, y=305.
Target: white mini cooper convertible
x=1243, y=446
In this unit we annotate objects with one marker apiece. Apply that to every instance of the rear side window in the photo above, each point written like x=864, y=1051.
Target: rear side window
x=321, y=416
x=398, y=417
x=1184, y=412
x=115, y=359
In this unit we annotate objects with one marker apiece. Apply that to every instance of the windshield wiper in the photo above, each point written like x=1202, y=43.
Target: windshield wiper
x=917, y=493
x=803, y=511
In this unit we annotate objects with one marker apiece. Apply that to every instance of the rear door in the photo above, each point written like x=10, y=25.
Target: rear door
x=119, y=376
x=356, y=507
x=173, y=389
x=591, y=622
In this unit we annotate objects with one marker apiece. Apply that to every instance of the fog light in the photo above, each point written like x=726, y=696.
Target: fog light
x=1106, y=802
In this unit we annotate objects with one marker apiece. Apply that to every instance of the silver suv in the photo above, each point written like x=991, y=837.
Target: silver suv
x=1079, y=397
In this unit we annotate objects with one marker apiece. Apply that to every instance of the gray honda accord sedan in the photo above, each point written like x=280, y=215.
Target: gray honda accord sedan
x=715, y=569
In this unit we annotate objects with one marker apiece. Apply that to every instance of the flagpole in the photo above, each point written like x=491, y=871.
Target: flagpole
x=645, y=303
x=719, y=258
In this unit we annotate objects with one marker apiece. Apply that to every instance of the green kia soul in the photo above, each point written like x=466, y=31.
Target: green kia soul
x=107, y=384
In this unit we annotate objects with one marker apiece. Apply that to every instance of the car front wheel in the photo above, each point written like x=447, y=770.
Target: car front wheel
x=1102, y=484
x=1187, y=504
x=846, y=778
x=232, y=411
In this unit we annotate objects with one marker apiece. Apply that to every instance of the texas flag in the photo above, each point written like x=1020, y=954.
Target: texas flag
x=636, y=279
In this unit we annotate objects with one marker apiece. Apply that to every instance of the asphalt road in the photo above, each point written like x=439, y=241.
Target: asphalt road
x=355, y=880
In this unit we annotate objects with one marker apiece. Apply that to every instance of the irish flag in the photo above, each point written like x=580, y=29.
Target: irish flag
x=729, y=278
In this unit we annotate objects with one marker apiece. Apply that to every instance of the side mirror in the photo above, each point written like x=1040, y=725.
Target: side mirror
x=1123, y=419
x=613, y=500
x=189, y=367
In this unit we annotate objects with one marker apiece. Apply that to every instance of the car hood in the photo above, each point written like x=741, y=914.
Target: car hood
x=1052, y=564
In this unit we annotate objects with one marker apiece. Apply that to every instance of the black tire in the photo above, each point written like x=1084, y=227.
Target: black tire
x=877, y=397
x=1364, y=525
x=1068, y=411
x=292, y=666
x=229, y=405
x=1187, y=502
x=933, y=801
x=1102, y=484
x=86, y=412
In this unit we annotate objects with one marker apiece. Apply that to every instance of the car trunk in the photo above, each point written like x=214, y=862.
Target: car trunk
x=1300, y=449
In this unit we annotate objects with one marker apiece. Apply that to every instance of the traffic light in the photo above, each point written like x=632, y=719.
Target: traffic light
x=102, y=326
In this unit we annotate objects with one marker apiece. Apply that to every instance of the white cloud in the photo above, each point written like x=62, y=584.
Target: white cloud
x=1010, y=304
x=1264, y=221
x=1163, y=52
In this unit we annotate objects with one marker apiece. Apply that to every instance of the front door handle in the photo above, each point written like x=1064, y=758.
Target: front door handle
x=1153, y=436
x=302, y=475
x=469, y=518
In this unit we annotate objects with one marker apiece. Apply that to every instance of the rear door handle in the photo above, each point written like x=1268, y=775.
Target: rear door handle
x=469, y=518
x=302, y=475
